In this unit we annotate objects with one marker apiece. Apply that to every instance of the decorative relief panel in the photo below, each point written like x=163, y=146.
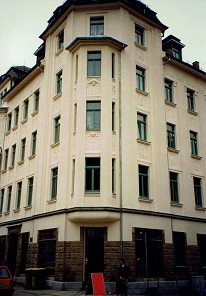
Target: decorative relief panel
x=113, y=89
x=54, y=154
x=140, y=56
x=170, y=114
x=92, y=142
x=114, y=144
x=173, y=161
x=193, y=123
x=93, y=86
x=144, y=152
x=196, y=167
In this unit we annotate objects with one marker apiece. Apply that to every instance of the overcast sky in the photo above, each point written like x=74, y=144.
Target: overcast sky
x=22, y=21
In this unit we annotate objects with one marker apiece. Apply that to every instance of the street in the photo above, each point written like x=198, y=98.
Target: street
x=21, y=291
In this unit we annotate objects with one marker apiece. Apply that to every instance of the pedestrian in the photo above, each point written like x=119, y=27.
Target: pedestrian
x=123, y=273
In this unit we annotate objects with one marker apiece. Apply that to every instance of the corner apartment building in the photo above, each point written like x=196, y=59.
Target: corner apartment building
x=103, y=153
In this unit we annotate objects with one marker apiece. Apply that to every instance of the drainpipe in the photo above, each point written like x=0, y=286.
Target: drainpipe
x=120, y=153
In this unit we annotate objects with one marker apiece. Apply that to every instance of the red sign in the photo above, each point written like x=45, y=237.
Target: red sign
x=98, y=284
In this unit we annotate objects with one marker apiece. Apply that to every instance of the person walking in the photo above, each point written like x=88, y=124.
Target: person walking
x=123, y=273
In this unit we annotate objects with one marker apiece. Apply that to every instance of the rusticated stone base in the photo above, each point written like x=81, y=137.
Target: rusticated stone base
x=32, y=255
x=168, y=259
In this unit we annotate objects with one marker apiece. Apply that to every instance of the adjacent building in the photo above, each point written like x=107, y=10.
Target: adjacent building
x=103, y=150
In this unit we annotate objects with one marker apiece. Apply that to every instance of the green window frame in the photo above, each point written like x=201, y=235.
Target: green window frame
x=174, y=190
x=176, y=52
x=142, y=126
x=113, y=65
x=33, y=143
x=113, y=175
x=140, y=78
x=16, y=116
x=18, y=195
x=2, y=200
x=143, y=181
x=113, y=116
x=171, y=135
x=26, y=109
x=54, y=183
x=9, y=120
x=96, y=25
x=30, y=191
x=92, y=175
x=13, y=154
x=6, y=156
x=59, y=82
x=60, y=37
x=139, y=35
x=93, y=115
x=36, y=100
x=193, y=142
x=93, y=63
x=198, y=191
x=190, y=100
x=168, y=90
x=9, y=193
x=23, y=148
x=57, y=124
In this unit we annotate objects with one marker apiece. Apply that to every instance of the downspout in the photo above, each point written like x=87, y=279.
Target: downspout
x=120, y=154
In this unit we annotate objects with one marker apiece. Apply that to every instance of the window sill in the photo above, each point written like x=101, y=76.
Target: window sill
x=24, y=120
x=170, y=103
x=28, y=208
x=93, y=194
x=20, y=162
x=145, y=142
x=55, y=144
x=8, y=133
x=173, y=150
x=57, y=96
x=145, y=199
x=60, y=50
x=200, y=208
x=176, y=204
x=16, y=210
x=14, y=128
x=4, y=171
x=192, y=112
x=51, y=201
x=32, y=156
x=142, y=92
x=140, y=46
x=35, y=113
x=195, y=156
x=11, y=167
x=6, y=213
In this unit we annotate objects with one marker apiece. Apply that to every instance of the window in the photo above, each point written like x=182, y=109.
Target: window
x=193, y=142
x=142, y=126
x=1, y=200
x=9, y=198
x=176, y=53
x=140, y=78
x=201, y=239
x=92, y=175
x=171, y=135
x=26, y=109
x=139, y=35
x=75, y=118
x=94, y=63
x=77, y=68
x=36, y=100
x=179, y=242
x=59, y=82
x=30, y=191
x=113, y=175
x=190, y=100
x=168, y=91
x=33, y=143
x=113, y=65
x=23, y=148
x=96, y=25
x=73, y=175
x=18, y=195
x=13, y=154
x=57, y=129
x=113, y=116
x=6, y=155
x=16, y=116
x=174, y=187
x=9, y=119
x=149, y=242
x=143, y=182
x=60, y=40
x=197, y=191
x=93, y=120
x=54, y=182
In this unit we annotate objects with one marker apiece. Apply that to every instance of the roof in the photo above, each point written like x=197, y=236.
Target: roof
x=15, y=72
x=135, y=5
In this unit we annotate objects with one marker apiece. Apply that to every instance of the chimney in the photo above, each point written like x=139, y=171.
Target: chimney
x=196, y=64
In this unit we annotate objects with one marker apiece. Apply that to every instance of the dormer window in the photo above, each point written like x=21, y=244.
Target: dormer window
x=173, y=47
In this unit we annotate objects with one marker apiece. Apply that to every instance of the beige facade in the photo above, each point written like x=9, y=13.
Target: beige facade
x=93, y=173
